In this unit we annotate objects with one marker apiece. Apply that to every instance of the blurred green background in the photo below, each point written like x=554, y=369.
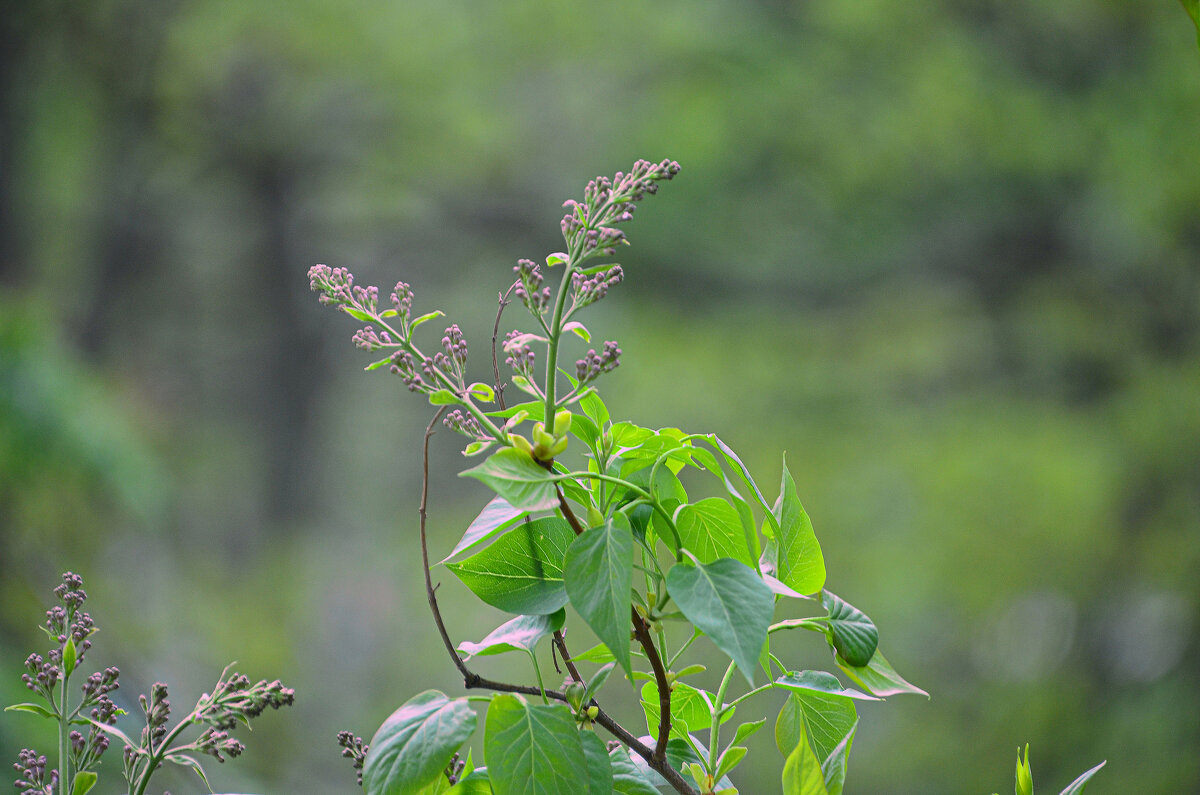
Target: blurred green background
x=946, y=254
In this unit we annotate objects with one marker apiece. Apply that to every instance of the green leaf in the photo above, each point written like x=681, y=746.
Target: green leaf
x=495, y=517
x=599, y=581
x=183, y=760
x=557, y=258
x=579, y=329
x=680, y=754
x=627, y=776
x=736, y=463
x=691, y=709
x=534, y=409
x=424, y=318
x=1024, y=773
x=475, y=783
x=583, y=428
x=594, y=407
x=444, y=397
x=597, y=654
x=728, y=602
x=802, y=774
x=516, y=477
x=532, y=749
x=69, y=656
x=826, y=719
x=597, y=681
x=820, y=682
x=477, y=447
x=482, y=391
x=834, y=766
x=357, y=314
x=414, y=745
x=878, y=677
x=525, y=385
x=747, y=729
x=378, y=364
x=521, y=634
x=1076, y=786
x=599, y=766
x=521, y=572
x=729, y=759
x=799, y=563
x=84, y=782
x=712, y=529
x=34, y=709
x=849, y=630
x=1192, y=7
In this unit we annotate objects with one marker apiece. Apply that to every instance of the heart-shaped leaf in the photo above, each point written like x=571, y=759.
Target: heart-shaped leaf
x=799, y=563
x=521, y=572
x=878, y=677
x=849, y=630
x=515, y=476
x=414, y=745
x=532, y=749
x=728, y=602
x=599, y=580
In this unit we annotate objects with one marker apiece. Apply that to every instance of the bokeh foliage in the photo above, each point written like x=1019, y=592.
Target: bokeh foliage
x=947, y=254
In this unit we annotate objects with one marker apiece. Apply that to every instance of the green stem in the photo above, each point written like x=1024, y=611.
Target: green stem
x=555, y=334
x=744, y=696
x=684, y=647
x=718, y=709
x=64, y=726
x=538, y=672
x=156, y=757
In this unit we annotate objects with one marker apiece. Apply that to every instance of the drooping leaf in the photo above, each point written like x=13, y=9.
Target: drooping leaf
x=834, y=766
x=826, y=718
x=599, y=581
x=495, y=517
x=712, y=529
x=820, y=682
x=183, y=760
x=532, y=749
x=727, y=601
x=33, y=709
x=744, y=473
x=849, y=630
x=802, y=774
x=627, y=776
x=599, y=766
x=1076, y=786
x=516, y=477
x=521, y=572
x=799, y=563
x=878, y=677
x=521, y=634
x=414, y=745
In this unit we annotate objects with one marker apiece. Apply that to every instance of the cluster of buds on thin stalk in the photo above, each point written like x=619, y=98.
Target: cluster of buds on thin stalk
x=520, y=357
x=354, y=750
x=590, y=226
x=32, y=775
x=587, y=290
x=452, y=359
x=593, y=364
x=529, y=289
x=465, y=424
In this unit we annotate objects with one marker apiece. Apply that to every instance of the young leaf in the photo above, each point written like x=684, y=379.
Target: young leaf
x=599, y=581
x=849, y=630
x=496, y=516
x=579, y=329
x=532, y=749
x=802, y=774
x=729, y=759
x=728, y=602
x=482, y=391
x=1024, y=773
x=820, y=682
x=444, y=397
x=627, y=776
x=799, y=563
x=357, y=314
x=599, y=766
x=747, y=729
x=183, y=760
x=521, y=572
x=34, y=709
x=424, y=318
x=69, y=657
x=1076, y=786
x=732, y=459
x=515, y=476
x=84, y=782
x=826, y=719
x=711, y=529
x=878, y=677
x=521, y=634
x=414, y=745
x=834, y=766
x=594, y=407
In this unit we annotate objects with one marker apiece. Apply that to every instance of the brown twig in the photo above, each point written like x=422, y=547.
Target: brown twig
x=655, y=758
x=495, y=336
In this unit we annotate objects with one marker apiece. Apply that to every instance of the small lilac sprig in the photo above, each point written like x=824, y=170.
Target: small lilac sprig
x=354, y=750
x=233, y=701
x=31, y=774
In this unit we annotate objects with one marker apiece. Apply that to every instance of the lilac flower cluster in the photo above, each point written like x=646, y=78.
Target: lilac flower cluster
x=607, y=202
x=402, y=298
x=403, y=365
x=64, y=622
x=593, y=364
x=88, y=750
x=337, y=287
x=157, y=709
x=529, y=286
x=42, y=676
x=354, y=750
x=367, y=339
x=455, y=356
x=218, y=742
x=520, y=356
x=31, y=774
x=587, y=290
x=235, y=699
x=465, y=424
